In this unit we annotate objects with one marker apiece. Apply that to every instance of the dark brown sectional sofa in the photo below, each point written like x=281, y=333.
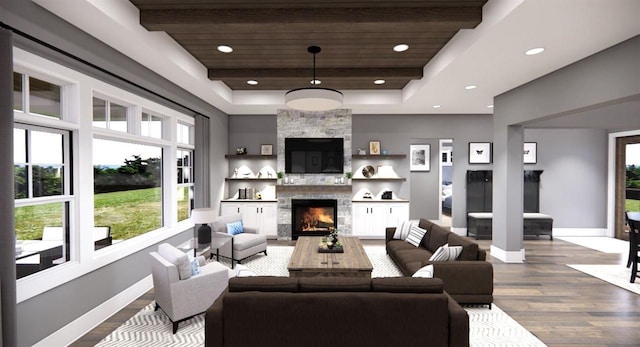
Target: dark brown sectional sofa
x=335, y=311
x=468, y=279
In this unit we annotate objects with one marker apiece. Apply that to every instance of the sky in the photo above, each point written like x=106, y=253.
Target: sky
x=633, y=154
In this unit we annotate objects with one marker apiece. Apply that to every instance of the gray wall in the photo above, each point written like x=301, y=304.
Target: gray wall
x=573, y=187
x=251, y=132
x=42, y=315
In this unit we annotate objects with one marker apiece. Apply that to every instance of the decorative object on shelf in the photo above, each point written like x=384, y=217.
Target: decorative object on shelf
x=280, y=174
x=374, y=147
x=241, y=150
x=362, y=151
x=368, y=171
x=314, y=98
x=266, y=149
x=235, y=173
x=367, y=195
x=244, y=172
x=387, y=195
x=384, y=152
x=420, y=157
x=479, y=152
x=348, y=175
x=530, y=152
x=202, y=216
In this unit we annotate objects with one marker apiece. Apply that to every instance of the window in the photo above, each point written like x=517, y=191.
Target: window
x=109, y=115
x=42, y=192
x=127, y=187
x=35, y=96
x=151, y=126
x=185, y=134
x=185, y=183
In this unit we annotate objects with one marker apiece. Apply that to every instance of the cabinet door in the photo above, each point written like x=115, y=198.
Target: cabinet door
x=269, y=219
x=229, y=208
x=251, y=215
x=360, y=219
x=398, y=211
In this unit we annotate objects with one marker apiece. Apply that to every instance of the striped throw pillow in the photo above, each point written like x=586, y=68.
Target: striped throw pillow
x=415, y=235
x=446, y=253
x=402, y=230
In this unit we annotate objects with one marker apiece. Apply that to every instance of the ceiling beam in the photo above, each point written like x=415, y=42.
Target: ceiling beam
x=411, y=73
x=469, y=14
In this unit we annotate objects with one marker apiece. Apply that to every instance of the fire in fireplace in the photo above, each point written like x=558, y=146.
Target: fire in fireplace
x=313, y=217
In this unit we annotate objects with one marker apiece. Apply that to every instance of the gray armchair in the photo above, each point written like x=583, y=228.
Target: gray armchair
x=179, y=294
x=236, y=247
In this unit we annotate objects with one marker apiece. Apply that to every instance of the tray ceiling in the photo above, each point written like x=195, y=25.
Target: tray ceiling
x=270, y=38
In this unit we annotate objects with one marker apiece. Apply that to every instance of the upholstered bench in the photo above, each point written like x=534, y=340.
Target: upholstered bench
x=479, y=224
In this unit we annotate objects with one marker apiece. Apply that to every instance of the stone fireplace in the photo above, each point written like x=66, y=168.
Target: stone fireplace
x=313, y=217
x=318, y=186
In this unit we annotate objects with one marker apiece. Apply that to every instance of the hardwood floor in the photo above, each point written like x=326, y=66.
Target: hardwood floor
x=560, y=305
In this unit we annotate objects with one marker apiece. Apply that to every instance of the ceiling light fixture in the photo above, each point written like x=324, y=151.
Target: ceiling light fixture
x=225, y=49
x=490, y=106
x=401, y=47
x=470, y=87
x=313, y=99
x=534, y=51
x=436, y=106
x=252, y=82
x=378, y=82
x=315, y=82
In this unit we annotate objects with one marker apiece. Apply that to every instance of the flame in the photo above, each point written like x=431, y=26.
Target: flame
x=311, y=217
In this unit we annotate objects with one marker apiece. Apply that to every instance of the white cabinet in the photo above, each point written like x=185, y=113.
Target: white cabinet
x=371, y=219
x=255, y=214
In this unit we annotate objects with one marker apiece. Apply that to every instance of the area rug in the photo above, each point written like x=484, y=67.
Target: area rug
x=600, y=244
x=488, y=327
x=618, y=275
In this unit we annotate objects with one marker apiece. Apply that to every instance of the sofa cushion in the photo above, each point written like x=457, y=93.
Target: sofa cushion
x=263, y=284
x=410, y=255
x=399, y=245
x=407, y=285
x=334, y=284
x=446, y=253
x=426, y=225
x=176, y=257
x=402, y=230
x=415, y=235
x=245, y=240
x=470, y=249
x=438, y=236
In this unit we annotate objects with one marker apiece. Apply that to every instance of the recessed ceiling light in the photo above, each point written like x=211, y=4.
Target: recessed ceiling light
x=534, y=51
x=225, y=49
x=470, y=87
x=436, y=106
x=490, y=106
x=379, y=81
x=252, y=82
x=401, y=47
x=315, y=82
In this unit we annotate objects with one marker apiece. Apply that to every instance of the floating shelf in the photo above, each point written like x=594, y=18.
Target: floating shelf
x=379, y=179
x=249, y=179
x=388, y=156
x=249, y=156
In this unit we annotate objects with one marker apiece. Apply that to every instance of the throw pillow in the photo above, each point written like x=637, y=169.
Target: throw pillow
x=195, y=267
x=446, y=253
x=425, y=272
x=402, y=230
x=243, y=271
x=415, y=235
x=235, y=228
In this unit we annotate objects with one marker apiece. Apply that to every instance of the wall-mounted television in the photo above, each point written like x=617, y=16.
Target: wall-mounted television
x=315, y=155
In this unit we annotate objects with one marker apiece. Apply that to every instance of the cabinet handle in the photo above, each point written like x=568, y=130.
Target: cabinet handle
x=238, y=209
x=260, y=209
x=257, y=210
x=390, y=210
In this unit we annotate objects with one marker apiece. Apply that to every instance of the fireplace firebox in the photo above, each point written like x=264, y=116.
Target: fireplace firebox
x=313, y=217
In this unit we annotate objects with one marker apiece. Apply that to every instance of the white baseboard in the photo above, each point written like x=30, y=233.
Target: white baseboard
x=459, y=231
x=590, y=232
x=507, y=256
x=79, y=327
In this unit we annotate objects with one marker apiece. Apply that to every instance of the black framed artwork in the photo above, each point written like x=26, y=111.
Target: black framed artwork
x=480, y=153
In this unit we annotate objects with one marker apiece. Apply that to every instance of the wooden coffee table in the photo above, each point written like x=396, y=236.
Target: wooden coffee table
x=306, y=261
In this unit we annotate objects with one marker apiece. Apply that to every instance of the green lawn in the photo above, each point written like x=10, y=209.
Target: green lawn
x=632, y=205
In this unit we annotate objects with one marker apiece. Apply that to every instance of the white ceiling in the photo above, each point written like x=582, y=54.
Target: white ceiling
x=490, y=56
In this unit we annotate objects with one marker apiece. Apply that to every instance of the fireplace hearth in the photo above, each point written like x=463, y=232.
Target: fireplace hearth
x=313, y=217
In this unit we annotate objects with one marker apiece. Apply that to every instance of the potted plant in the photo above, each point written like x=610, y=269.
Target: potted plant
x=280, y=174
x=348, y=175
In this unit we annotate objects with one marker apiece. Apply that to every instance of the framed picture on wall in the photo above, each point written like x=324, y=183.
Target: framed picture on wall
x=420, y=157
x=530, y=155
x=479, y=152
x=266, y=149
x=374, y=147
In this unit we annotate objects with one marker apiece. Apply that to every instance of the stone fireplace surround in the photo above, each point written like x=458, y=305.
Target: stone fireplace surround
x=334, y=124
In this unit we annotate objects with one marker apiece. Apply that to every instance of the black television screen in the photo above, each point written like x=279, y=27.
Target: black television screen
x=314, y=155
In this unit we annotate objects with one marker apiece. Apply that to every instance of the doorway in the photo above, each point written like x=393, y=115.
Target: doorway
x=627, y=186
x=446, y=181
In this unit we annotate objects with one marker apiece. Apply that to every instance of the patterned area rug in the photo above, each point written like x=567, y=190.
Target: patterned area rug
x=150, y=328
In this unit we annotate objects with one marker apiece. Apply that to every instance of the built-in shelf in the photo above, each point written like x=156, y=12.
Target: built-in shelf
x=379, y=179
x=388, y=156
x=309, y=188
x=249, y=156
x=249, y=179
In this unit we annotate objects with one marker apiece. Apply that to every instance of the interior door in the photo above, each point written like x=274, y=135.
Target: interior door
x=627, y=181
